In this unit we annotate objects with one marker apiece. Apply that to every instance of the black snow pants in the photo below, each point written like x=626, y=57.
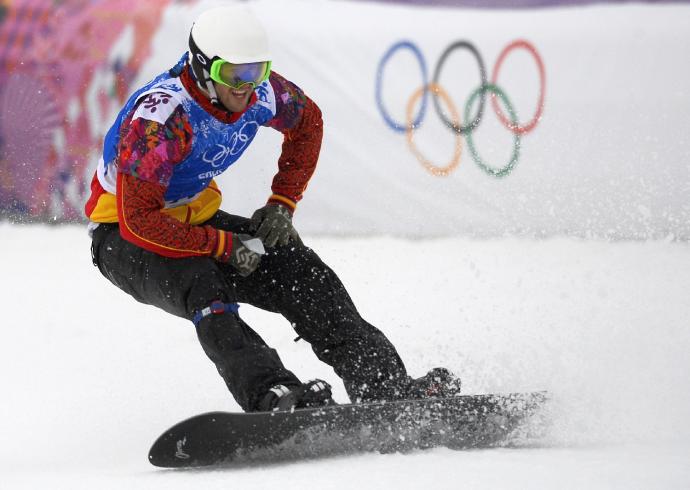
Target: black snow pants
x=291, y=280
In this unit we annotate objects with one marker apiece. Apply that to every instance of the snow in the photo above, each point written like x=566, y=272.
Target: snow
x=91, y=378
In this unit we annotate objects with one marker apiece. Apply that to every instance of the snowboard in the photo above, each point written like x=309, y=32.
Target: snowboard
x=460, y=422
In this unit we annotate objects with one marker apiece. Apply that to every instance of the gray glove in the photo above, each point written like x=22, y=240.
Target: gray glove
x=246, y=253
x=273, y=224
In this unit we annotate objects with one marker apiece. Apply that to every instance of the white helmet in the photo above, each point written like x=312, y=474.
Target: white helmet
x=231, y=33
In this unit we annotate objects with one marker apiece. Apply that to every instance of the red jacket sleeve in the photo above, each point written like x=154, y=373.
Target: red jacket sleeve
x=300, y=121
x=148, y=151
x=142, y=222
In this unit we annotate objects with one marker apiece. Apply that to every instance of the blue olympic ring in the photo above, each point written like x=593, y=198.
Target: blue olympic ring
x=394, y=125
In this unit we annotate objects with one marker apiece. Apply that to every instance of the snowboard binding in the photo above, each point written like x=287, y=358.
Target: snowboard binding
x=437, y=383
x=315, y=393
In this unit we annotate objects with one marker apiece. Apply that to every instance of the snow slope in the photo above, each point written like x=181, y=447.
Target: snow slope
x=90, y=378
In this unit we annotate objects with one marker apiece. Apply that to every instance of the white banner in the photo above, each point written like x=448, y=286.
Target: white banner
x=609, y=156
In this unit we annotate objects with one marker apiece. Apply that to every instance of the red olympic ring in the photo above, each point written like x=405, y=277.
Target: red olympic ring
x=526, y=128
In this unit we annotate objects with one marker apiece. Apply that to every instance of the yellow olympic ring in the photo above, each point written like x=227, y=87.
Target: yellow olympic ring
x=455, y=118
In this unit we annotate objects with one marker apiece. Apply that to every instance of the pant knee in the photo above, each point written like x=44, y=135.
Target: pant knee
x=206, y=285
x=220, y=333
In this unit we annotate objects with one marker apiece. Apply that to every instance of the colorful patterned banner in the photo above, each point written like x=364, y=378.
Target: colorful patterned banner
x=64, y=67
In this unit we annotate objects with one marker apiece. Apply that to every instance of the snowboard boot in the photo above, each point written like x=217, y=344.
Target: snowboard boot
x=315, y=393
x=437, y=383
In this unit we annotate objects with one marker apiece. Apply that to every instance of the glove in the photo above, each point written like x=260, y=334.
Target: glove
x=246, y=253
x=273, y=225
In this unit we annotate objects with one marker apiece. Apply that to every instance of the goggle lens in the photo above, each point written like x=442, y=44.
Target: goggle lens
x=237, y=75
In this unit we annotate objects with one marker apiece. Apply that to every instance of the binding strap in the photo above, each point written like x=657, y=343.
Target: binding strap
x=216, y=308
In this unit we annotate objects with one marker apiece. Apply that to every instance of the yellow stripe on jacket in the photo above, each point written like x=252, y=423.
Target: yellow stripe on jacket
x=196, y=212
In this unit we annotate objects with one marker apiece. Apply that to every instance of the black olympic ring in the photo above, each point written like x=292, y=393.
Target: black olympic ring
x=469, y=127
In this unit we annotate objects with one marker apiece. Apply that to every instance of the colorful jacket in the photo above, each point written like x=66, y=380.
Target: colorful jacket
x=168, y=143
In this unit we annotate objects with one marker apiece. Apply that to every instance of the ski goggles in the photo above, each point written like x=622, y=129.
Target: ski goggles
x=238, y=75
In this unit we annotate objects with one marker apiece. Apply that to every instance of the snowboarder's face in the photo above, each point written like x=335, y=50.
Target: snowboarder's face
x=234, y=99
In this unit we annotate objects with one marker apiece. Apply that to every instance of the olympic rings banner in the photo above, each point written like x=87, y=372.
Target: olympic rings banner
x=434, y=90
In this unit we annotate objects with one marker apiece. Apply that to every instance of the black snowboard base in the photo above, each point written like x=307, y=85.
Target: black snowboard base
x=469, y=421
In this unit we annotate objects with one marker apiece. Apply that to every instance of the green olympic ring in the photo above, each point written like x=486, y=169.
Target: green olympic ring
x=500, y=172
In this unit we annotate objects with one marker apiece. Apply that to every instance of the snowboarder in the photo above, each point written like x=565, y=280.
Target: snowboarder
x=159, y=234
